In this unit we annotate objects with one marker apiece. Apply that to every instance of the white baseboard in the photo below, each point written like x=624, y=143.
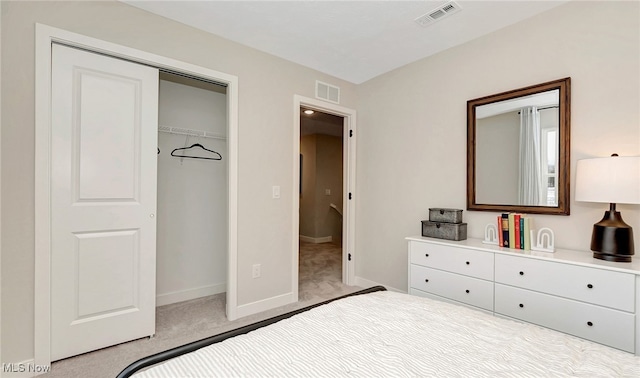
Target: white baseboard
x=365, y=283
x=23, y=369
x=309, y=239
x=264, y=305
x=188, y=294
x=285, y=299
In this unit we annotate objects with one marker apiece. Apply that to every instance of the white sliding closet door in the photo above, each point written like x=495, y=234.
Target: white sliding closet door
x=103, y=201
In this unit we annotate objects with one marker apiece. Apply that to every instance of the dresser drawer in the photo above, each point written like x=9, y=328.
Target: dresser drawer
x=472, y=291
x=472, y=263
x=592, y=285
x=603, y=325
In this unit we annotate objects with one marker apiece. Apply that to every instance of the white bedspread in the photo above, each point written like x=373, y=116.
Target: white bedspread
x=386, y=334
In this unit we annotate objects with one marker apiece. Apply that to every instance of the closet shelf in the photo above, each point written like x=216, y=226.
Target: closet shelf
x=196, y=133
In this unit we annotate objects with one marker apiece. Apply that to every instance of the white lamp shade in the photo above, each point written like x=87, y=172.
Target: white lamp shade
x=613, y=179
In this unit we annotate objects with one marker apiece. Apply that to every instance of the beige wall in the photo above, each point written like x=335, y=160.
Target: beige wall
x=329, y=171
x=266, y=89
x=322, y=170
x=497, y=162
x=416, y=115
x=308, y=196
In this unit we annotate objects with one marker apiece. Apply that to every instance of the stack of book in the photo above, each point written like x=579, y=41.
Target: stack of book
x=514, y=231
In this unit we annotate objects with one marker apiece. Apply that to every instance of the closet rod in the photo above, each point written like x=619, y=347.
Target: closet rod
x=196, y=133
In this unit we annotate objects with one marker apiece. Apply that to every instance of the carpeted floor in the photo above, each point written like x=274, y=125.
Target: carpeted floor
x=320, y=278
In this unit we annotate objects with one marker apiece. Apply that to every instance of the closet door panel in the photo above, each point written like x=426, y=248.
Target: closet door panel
x=103, y=201
x=107, y=118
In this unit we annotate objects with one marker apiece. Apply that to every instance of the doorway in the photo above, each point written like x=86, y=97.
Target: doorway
x=191, y=252
x=324, y=177
x=46, y=37
x=321, y=199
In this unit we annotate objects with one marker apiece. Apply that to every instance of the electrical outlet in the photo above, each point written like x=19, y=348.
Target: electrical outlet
x=255, y=271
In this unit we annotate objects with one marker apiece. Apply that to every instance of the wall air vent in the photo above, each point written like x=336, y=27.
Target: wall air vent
x=327, y=92
x=438, y=14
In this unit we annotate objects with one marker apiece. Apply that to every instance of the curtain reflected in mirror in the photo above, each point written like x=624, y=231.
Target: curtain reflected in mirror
x=518, y=150
x=531, y=188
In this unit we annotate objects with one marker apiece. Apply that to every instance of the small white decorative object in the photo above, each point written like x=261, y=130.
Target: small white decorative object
x=490, y=234
x=544, y=242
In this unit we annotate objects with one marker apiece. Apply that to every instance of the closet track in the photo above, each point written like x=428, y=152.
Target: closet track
x=111, y=54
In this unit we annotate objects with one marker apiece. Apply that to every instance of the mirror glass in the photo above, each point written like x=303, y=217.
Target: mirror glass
x=518, y=148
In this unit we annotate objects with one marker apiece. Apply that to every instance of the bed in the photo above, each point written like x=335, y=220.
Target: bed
x=375, y=333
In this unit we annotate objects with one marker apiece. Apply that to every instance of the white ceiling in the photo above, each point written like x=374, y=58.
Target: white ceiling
x=351, y=40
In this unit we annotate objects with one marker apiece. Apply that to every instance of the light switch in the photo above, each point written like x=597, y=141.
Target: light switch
x=276, y=191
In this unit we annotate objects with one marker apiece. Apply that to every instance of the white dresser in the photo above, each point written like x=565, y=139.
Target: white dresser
x=568, y=291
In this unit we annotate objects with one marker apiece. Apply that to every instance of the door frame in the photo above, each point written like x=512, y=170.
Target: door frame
x=45, y=37
x=348, y=185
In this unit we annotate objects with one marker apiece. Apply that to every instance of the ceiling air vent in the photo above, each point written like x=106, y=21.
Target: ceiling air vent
x=438, y=14
x=327, y=92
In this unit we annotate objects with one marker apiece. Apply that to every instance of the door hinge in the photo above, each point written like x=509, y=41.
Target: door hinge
x=349, y=195
x=350, y=133
x=349, y=257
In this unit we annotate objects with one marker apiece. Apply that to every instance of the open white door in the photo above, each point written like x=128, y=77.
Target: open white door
x=103, y=201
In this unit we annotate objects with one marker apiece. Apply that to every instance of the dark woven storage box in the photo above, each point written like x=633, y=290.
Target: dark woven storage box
x=445, y=215
x=443, y=230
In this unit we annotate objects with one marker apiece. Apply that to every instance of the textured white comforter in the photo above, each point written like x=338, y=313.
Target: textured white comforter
x=386, y=334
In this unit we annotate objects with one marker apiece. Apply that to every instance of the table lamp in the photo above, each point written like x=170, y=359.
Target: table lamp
x=612, y=180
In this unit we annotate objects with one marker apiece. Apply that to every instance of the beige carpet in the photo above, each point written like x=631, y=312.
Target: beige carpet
x=320, y=278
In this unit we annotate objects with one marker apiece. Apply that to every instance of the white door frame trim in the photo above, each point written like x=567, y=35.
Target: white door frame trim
x=45, y=36
x=348, y=185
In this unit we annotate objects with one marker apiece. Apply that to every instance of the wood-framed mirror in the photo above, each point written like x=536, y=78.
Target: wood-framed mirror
x=518, y=150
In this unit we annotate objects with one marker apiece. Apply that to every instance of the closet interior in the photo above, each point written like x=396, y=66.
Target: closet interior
x=192, y=189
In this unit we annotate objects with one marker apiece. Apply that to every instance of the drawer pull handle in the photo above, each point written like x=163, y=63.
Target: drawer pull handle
x=437, y=225
x=467, y=291
x=590, y=324
x=441, y=212
x=521, y=273
x=521, y=305
x=590, y=286
x=426, y=280
x=426, y=255
x=468, y=263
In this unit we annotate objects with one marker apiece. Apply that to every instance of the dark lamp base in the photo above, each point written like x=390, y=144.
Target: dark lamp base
x=612, y=239
x=616, y=258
